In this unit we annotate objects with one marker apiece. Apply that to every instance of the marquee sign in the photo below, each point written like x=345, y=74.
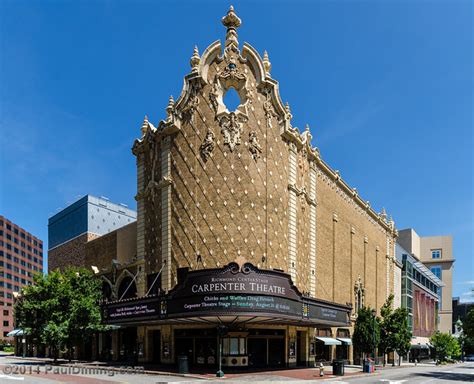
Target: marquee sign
x=230, y=291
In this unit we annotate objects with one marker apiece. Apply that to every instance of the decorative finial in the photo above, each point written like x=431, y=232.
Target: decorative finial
x=144, y=125
x=288, y=111
x=307, y=128
x=195, y=60
x=170, y=108
x=383, y=214
x=231, y=21
x=266, y=63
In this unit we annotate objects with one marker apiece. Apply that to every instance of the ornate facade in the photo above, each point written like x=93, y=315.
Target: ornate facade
x=217, y=186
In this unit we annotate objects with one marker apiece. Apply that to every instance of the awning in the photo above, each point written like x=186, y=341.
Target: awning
x=329, y=341
x=420, y=342
x=345, y=340
x=15, y=332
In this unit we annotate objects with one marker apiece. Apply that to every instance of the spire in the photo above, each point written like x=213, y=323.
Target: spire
x=195, y=60
x=144, y=125
x=307, y=128
x=266, y=63
x=169, y=109
x=383, y=214
x=231, y=21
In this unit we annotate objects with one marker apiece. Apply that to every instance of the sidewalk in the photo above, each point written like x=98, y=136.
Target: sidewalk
x=289, y=373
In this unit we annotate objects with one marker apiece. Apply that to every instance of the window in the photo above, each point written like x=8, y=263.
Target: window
x=436, y=271
x=233, y=346
x=6, y=323
x=5, y=312
x=436, y=253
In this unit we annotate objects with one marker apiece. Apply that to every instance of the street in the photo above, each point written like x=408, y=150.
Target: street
x=28, y=371
x=459, y=373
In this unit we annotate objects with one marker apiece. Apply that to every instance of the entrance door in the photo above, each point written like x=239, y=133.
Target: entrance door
x=257, y=351
x=276, y=352
x=156, y=347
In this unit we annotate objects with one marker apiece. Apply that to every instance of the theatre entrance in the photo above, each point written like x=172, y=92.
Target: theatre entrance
x=199, y=345
x=266, y=348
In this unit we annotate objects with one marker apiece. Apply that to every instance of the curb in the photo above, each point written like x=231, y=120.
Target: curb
x=112, y=368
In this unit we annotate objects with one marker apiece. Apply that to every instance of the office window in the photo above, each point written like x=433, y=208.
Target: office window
x=436, y=253
x=436, y=271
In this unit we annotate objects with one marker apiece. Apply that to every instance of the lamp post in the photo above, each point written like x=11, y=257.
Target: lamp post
x=374, y=314
x=220, y=331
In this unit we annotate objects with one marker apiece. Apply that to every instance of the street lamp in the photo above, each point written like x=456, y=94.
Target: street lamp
x=220, y=332
x=374, y=314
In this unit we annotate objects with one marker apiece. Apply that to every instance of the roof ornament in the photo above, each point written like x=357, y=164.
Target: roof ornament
x=169, y=109
x=144, y=125
x=266, y=63
x=231, y=21
x=195, y=60
x=383, y=215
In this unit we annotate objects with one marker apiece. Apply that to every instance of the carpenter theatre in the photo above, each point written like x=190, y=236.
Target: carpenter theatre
x=247, y=242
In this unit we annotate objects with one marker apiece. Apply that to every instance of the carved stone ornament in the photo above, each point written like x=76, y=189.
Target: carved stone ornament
x=207, y=146
x=214, y=94
x=192, y=103
x=268, y=108
x=254, y=146
x=231, y=128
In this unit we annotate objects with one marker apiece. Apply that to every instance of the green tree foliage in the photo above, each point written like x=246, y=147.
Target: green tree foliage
x=364, y=330
x=395, y=333
x=468, y=325
x=60, y=309
x=446, y=346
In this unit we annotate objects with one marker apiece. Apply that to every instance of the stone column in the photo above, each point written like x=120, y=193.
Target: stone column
x=292, y=213
x=166, y=278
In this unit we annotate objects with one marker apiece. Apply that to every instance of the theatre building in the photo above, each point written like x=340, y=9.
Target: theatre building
x=245, y=238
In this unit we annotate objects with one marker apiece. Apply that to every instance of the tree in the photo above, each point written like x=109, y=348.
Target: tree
x=446, y=346
x=395, y=333
x=403, y=334
x=468, y=324
x=388, y=328
x=366, y=331
x=60, y=309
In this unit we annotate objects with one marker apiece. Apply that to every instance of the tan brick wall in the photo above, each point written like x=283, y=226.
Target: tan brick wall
x=230, y=204
x=71, y=253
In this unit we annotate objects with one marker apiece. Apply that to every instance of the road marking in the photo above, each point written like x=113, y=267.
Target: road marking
x=10, y=377
x=393, y=381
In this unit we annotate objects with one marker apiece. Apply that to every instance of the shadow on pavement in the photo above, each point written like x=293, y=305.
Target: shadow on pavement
x=448, y=376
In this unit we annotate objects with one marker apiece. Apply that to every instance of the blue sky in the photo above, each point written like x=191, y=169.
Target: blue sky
x=386, y=87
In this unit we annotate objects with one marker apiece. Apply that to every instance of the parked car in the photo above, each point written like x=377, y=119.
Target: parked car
x=469, y=358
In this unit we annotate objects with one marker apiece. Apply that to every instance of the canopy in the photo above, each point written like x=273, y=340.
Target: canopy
x=15, y=332
x=329, y=341
x=420, y=342
x=345, y=340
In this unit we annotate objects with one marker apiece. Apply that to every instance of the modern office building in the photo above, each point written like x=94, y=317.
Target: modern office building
x=21, y=256
x=436, y=252
x=420, y=295
x=247, y=241
x=88, y=218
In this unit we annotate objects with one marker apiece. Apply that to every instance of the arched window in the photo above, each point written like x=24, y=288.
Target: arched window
x=106, y=290
x=127, y=286
x=359, y=293
x=232, y=100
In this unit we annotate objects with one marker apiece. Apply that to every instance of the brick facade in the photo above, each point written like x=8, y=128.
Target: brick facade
x=215, y=185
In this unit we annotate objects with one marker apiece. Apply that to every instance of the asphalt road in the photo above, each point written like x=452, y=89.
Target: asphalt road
x=460, y=373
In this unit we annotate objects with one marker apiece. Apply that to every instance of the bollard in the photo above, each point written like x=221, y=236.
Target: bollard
x=321, y=370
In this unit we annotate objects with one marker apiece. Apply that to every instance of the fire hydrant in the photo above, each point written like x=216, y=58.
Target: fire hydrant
x=321, y=370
